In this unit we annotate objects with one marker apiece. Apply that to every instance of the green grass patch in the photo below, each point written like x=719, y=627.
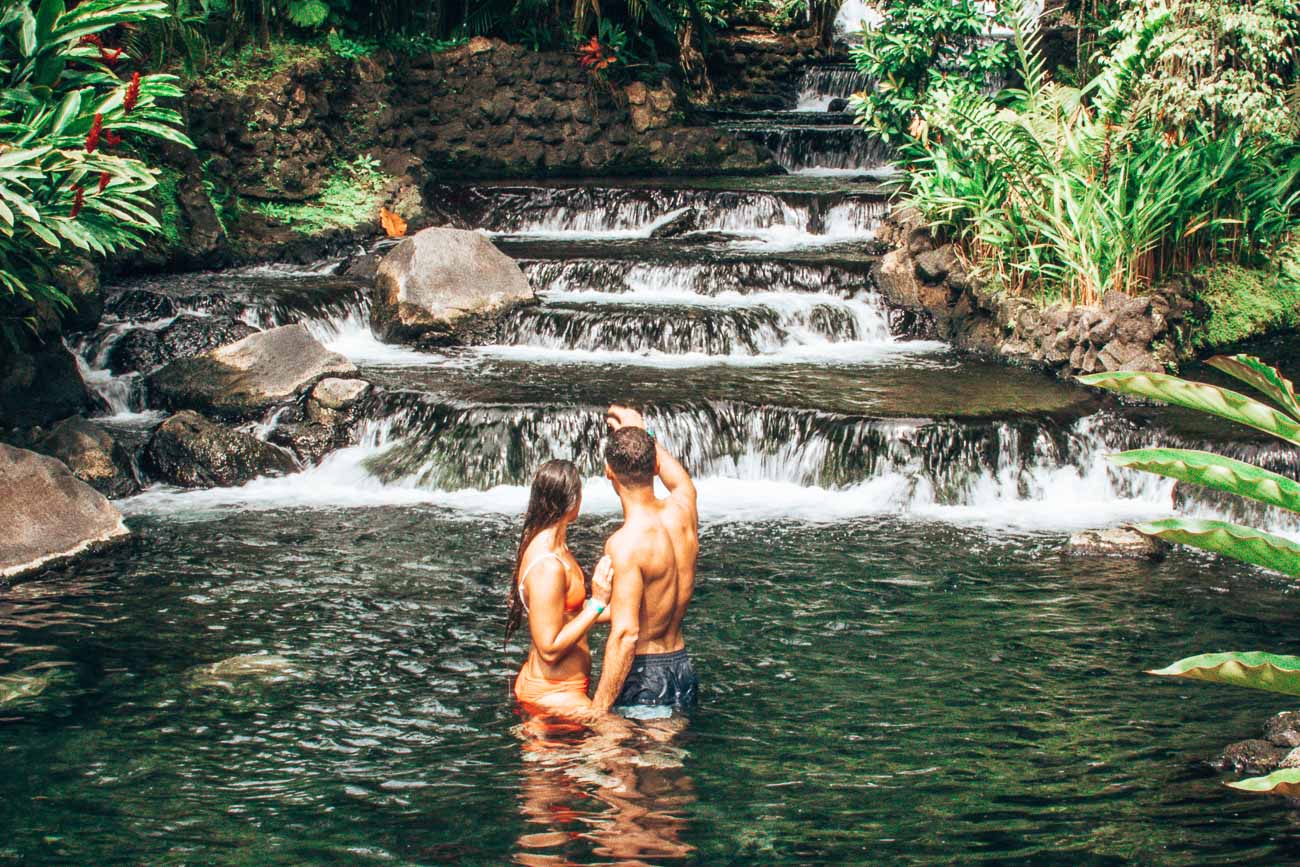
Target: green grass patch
x=1247, y=302
x=350, y=198
x=251, y=65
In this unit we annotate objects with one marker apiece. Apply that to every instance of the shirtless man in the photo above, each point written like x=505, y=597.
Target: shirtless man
x=653, y=556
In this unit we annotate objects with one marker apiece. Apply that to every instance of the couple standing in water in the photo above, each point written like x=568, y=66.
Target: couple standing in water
x=641, y=586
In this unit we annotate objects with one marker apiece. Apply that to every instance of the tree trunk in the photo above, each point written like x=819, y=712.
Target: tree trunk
x=693, y=65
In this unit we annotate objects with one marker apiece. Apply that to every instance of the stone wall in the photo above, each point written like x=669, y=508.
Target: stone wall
x=754, y=68
x=1123, y=332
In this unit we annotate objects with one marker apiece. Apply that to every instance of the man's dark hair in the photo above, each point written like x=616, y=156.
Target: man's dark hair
x=630, y=453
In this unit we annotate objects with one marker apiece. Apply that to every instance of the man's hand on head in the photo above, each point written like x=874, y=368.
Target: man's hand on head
x=619, y=417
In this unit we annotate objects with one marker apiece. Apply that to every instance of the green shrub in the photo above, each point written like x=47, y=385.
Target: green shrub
x=67, y=184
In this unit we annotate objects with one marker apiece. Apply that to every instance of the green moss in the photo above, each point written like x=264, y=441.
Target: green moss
x=252, y=65
x=167, y=195
x=350, y=198
x=1248, y=302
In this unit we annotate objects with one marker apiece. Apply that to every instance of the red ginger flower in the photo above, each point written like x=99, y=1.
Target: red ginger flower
x=110, y=57
x=132, y=93
x=92, y=39
x=77, y=201
x=111, y=138
x=104, y=178
x=92, y=137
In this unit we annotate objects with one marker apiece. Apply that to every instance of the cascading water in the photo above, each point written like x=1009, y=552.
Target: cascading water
x=820, y=84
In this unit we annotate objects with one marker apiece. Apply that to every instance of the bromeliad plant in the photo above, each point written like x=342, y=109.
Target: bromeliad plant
x=67, y=185
x=1255, y=669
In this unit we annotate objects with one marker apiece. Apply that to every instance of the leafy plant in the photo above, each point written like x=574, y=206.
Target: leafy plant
x=1281, y=418
x=1073, y=192
x=66, y=183
x=922, y=46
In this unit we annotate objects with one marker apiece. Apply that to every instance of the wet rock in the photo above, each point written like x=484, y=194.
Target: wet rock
x=333, y=399
x=40, y=383
x=838, y=104
x=145, y=349
x=244, y=379
x=92, y=454
x=1252, y=757
x=933, y=266
x=1283, y=730
x=267, y=668
x=445, y=287
x=1290, y=760
x=140, y=305
x=49, y=514
x=309, y=441
x=687, y=221
x=190, y=451
x=1124, y=542
x=79, y=280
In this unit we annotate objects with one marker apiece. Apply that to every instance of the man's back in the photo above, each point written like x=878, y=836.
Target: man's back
x=664, y=544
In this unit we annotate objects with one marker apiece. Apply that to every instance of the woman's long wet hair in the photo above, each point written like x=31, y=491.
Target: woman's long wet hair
x=557, y=488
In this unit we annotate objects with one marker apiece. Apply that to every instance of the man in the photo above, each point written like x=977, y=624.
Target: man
x=653, y=555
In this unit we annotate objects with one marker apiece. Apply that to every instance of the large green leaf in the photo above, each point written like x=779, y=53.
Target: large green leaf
x=1231, y=540
x=1254, y=669
x=1215, y=471
x=1222, y=402
x=1284, y=782
x=1265, y=379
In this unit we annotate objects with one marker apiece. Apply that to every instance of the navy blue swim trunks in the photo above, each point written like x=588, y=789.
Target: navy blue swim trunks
x=664, y=681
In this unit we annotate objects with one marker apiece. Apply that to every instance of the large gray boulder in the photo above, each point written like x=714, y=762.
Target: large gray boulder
x=244, y=379
x=445, y=287
x=192, y=452
x=49, y=514
x=92, y=454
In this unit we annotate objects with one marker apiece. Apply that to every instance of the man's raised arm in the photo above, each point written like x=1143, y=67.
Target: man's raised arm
x=669, y=470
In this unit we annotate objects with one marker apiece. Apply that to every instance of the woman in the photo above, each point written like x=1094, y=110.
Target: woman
x=548, y=586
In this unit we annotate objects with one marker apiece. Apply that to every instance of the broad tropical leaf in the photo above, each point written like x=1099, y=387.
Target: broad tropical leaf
x=1254, y=669
x=1231, y=540
x=1215, y=471
x=1222, y=402
x=1265, y=379
x=1284, y=782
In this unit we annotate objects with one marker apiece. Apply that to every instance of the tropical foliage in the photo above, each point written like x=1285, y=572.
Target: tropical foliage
x=1279, y=417
x=923, y=47
x=69, y=112
x=1057, y=191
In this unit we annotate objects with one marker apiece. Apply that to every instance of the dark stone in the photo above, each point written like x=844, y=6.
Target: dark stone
x=92, y=455
x=1283, y=729
x=310, y=441
x=140, y=305
x=1124, y=542
x=1253, y=757
x=49, y=515
x=144, y=349
x=687, y=221
x=933, y=266
x=40, y=384
x=192, y=452
x=80, y=282
x=839, y=104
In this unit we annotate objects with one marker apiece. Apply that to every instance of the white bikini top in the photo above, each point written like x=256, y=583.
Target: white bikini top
x=524, y=577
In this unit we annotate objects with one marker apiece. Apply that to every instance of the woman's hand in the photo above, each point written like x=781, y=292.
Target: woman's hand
x=602, y=580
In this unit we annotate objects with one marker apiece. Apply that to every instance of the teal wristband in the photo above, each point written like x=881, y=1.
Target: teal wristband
x=650, y=432
x=598, y=606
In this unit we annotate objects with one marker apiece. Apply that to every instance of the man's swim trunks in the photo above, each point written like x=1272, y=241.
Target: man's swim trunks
x=660, y=680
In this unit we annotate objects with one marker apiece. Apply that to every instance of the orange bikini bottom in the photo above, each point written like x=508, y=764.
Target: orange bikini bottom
x=530, y=690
